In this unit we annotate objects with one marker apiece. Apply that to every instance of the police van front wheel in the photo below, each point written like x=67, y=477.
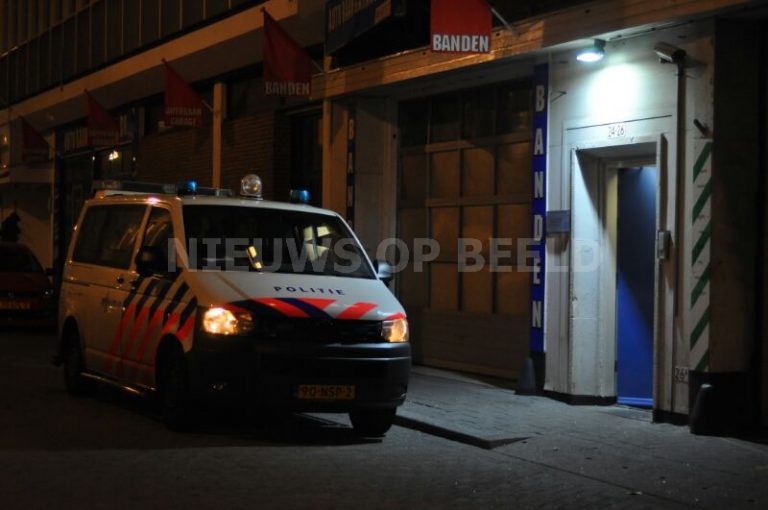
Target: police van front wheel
x=372, y=422
x=74, y=381
x=174, y=391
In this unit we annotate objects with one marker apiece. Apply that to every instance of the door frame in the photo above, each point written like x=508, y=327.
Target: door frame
x=601, y=158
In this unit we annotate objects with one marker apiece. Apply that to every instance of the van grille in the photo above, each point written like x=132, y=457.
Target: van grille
x=321, y=331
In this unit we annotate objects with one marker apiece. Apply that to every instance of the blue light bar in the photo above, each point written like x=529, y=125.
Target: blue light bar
x=187, y=188
x=299, y=196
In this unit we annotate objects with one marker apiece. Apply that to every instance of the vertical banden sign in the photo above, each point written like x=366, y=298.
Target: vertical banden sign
x=539, y=207
x=461, y=27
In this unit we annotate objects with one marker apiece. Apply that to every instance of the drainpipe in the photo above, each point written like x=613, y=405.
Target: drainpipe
x=669, y=54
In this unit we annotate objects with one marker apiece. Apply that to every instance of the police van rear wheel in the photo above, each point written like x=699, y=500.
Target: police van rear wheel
x=174, y=392
x=74, y=381
x=372, y=422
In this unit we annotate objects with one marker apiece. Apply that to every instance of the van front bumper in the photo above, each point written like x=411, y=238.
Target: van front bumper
x=270, y=371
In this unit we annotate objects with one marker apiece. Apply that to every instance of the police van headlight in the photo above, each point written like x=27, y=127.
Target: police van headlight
x=220, y=321
x=395, y=331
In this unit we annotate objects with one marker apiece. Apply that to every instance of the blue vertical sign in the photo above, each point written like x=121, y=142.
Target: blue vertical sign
x=539, y=205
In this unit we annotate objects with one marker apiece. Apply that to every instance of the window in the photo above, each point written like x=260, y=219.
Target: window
x=159, y=231
x=45, y=60
x=83, y=42
x=283, y=241
x=131, y=25
x=445, y=121
x=98, y=16
x=307, y=155
x=108, y=235
x=150, y=21
x=215, y=7
x=170, y=17
x=413, y=121
x=114, y=29
x=68, y=46
x=192, y=12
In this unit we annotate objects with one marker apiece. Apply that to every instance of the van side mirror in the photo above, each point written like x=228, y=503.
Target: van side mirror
x=384, y=271
x=150, y=260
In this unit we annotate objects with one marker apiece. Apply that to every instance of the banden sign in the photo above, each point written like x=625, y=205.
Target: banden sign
x=348, y=19
x=539, y=205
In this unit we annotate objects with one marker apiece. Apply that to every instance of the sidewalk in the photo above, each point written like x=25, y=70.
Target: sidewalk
x=614, y=444
x=468, y=410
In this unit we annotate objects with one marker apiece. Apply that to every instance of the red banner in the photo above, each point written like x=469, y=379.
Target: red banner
x=183, y=106
x=103, y=129
x=461, y=26
x=287, y=67
x=34, y=148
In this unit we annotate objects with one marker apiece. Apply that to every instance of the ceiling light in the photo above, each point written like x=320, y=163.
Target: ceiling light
x=593, y=53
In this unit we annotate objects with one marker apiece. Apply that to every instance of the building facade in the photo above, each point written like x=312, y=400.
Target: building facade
x=650, y=297
x=634, y=184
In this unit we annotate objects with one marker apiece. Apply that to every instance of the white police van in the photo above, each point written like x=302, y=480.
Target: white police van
x=196, y=294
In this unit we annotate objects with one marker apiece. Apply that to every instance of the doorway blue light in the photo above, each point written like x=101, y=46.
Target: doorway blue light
x=636, y=238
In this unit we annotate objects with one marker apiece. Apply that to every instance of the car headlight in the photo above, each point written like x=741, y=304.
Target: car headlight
x=395, y=331
x=220, y=321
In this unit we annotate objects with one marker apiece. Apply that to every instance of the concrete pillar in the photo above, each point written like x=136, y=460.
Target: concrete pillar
x=219, y=110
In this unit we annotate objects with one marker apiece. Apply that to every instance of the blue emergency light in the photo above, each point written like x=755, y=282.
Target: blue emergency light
x=187, y=188
x=299, y=196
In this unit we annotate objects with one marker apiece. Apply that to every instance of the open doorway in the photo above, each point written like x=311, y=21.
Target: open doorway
x=614, y=301
x=635, y=270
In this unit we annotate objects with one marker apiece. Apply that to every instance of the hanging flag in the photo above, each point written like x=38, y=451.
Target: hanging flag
x=183, y=106
x=34, y=148
x=287, y=67
x=103, y=129
x=461, y=27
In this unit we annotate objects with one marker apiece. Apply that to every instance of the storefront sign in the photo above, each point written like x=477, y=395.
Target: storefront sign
x=182, y=105
x=287, y=67
x=539, y=205
x=348, y=19
x=461, y=27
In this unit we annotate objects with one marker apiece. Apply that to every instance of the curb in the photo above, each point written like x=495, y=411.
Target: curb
x=453, y=435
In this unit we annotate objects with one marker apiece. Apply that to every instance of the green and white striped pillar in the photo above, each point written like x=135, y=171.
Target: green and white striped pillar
x=700, y=257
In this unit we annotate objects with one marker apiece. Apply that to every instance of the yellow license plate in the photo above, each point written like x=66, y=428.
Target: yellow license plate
x=15, y=305
x=326, y=392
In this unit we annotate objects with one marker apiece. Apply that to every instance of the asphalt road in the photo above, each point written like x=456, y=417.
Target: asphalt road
x=111, y=451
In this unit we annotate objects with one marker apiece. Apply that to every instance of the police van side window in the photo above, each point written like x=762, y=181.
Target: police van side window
x=108, y=235
x=159, y=231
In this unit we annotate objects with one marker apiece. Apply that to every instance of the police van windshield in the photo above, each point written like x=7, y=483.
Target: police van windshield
x=232, y=238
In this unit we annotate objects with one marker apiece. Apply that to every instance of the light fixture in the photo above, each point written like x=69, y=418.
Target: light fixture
x=668, y=53
x=593, y=53
x=114, y=155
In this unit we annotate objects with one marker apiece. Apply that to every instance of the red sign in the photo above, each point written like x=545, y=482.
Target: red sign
x=183, y=106
x=461, y=26
x=103, y=129
x=287, y=67
x=34, y=148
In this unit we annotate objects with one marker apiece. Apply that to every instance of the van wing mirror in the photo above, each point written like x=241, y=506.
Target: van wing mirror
x=150, y=260
x=384, y=271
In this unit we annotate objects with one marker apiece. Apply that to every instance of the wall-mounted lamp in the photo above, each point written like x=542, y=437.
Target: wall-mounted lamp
x=669, y=54
x=593, y=53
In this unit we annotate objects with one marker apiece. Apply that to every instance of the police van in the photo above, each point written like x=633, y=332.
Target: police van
x=195, y=294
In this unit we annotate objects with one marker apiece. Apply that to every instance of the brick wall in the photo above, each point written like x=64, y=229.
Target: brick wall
x=257, y=144
x=175, y=155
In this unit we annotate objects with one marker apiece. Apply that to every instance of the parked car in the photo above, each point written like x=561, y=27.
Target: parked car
x=26, y=293
x=153, y=301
